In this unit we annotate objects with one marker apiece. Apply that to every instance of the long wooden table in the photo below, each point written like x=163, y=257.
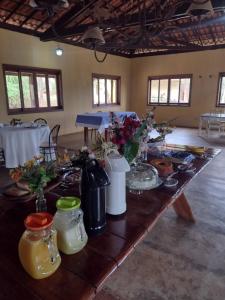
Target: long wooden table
x=82, y=275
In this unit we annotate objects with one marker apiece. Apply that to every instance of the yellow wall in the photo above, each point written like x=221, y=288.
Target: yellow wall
x=204, y=90
x=77, y=65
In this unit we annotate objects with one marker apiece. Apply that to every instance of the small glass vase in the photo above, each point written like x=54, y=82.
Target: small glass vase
x=40, y=203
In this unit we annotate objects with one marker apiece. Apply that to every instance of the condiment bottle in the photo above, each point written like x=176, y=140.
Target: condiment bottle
x=38, y=250
x=68, y=221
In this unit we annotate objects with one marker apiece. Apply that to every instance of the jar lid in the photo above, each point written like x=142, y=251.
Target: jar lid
x=38, y=221
x=68, y=203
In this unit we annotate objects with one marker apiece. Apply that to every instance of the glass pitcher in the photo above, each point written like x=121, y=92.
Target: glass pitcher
x=68, y=221
x=38, y=250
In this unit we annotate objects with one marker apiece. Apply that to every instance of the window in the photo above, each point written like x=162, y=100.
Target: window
x=32, y=89
x=170, y=90
x=106, y=89
x=221, y=90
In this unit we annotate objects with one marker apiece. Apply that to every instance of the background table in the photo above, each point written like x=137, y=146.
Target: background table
x=82, y=275
x=100, y=120
x=210, y=117
x=21, y=144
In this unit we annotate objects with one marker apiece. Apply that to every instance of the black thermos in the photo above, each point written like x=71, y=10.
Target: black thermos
x=93, y=196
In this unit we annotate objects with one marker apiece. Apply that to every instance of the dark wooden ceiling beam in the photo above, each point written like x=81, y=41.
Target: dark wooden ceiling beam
x=181, y=42
x=109, y=51
x=123, y=21
x=197, y=24
x=77, y=10
x=114, y=23
x=212, y=35
x=20, y=29
x=131, y=21
x=43, y=22
x=145, y=45
x=28, y=17
x=18, y=5
x=205, y=48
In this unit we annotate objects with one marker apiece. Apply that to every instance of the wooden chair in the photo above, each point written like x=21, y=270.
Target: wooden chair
x=40, y=121
x=49, y=149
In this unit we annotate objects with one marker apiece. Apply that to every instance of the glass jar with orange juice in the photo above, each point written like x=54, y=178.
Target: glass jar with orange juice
x=38, y=250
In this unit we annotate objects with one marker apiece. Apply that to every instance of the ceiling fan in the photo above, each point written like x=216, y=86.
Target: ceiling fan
x=51, y=5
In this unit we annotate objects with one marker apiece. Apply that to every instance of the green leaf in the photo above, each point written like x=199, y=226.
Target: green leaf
x=131, y=150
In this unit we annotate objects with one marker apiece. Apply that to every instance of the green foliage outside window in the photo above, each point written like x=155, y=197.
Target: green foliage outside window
x=13, y=90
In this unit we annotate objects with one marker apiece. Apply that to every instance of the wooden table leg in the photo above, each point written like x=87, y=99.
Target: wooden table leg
x=85, y=135
x=183, y=209
x=106, y=134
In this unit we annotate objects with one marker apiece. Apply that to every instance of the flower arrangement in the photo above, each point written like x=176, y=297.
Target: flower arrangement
x=102, y=147
x=35, y=173
x=132, y=133
x=123, y=133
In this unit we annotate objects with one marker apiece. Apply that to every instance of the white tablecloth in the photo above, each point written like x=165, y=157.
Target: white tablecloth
x=22, y=144
x=101, y=120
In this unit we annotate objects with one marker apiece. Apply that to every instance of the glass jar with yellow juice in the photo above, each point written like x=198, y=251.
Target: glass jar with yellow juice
x=68, y=221
x=38, y=250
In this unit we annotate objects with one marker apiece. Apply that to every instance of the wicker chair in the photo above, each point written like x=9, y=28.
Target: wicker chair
x=49, y=149
x=2, y=157
x=41, y=121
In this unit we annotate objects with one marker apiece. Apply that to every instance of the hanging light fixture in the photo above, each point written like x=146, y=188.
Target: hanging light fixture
x=59, y=51
x=200, y=7
x=93, y=38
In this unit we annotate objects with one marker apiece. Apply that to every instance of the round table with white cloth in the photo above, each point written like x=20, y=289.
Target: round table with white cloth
x=21, y=144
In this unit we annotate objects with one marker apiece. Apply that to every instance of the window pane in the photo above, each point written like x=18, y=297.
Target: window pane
x=109, y=91
x=105, y=90
x=13, y=90
x=222, y=91
x=114, y=91
x=102, y=91
x=28, y=90
x=163, y=94
x=184, y=90
x=95, y=90
x=53, y=90
x=42, y=93
x=154, y=91
x=174, y=90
